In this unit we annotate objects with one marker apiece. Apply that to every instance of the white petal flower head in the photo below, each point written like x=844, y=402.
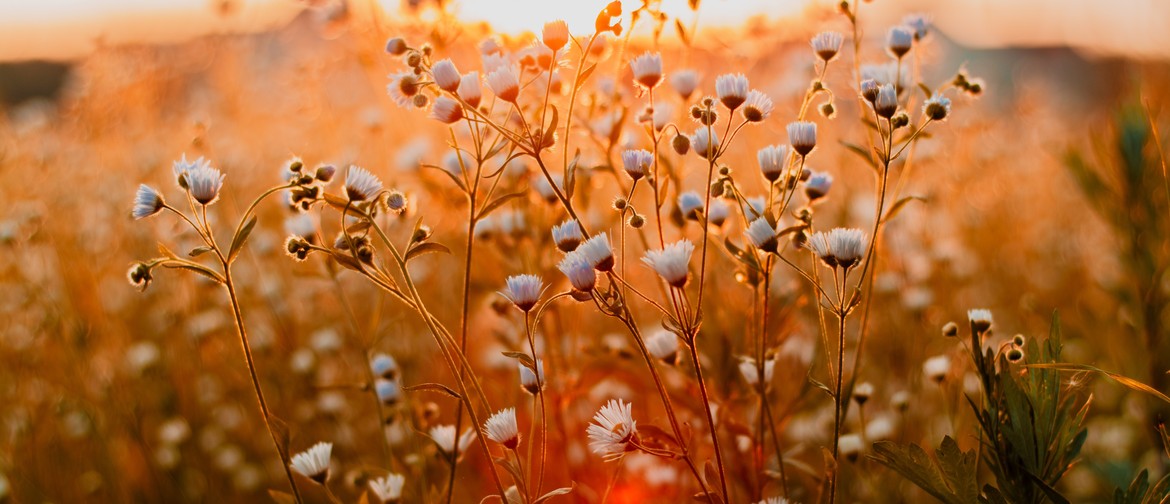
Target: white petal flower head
x=501, y=428
x=690, y=204
x=848, y=245
x=182, y=166
x=899, y=40
x=360, y=184
x=980, y=319
x=684, y=82
x=581, y=275
x=818, y=185
x=204, y=183
x=555, y=34
x=719, y=212
x=613, y=430
x=671, y=263
x=773, y=161
x=598, y=252
x=147, y=202
x=886, y=103
x=504, y=83
x=314, y=462
x=388, y=391
x=446, y=75
x=936, y=368
x=937, y=107
x=705, y=142
x=762, y=235
x=402, y=88
x=388, y=489
x=757, y=107
x=469, y=89
x=446, y=110
x=637, y=162
x=919, y=23
x=850, y=446
x=523, y=291
x=568, y=235
x=384, y=366
x=732, y=90
x=663, y=345
x=529, y=381
x=444, y=437
x=802, y=135
x=827, y=45
x=647, y=70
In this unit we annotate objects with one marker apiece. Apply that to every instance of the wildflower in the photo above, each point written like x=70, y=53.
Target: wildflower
x=182, y=166
x=402, y=88
x=446, y=75
x=446, y=110
x=850, y=445
x=681, y=144
x=937, y=107
x=360, y=184
x=1014, y=355
x=384, y=366
x=817, y=185
x=899, y=40
x=690, y=204
x=762, y=235
x=139, y=276
x=504, y=83
x=636, y=162
x=918, y=23
x=388, y=489
x=802, y=135
x=937, y=367
x=751, y=373
x=469, y=90
x=773, y=160
x=598, y=253
x=314, y=462
x=706, y=142
x=501, y=428
x=774, y=500
x=732, y=90
x=532, y=382
x=886, y=102
x=754, y=206
x=147, y=202
x=869, y=90
x=663, y=345
x=684, y=82
x=671, y=262
x=950, y=330
x=980, y=319
x=900, y=400
x=396, y=201
x=567, y=235
x=757, y=107
x=555, y=34
x=827, y=45
x=839, y=247
x=862, y=392
x=718, y=213
x=388, y=391
x=579, y=272
x=204, y=182
x=396, y=46
x=523, y=291
x=647, y=70
x=613, y=431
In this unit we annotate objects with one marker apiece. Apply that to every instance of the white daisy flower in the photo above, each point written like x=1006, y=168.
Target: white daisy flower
x=705, y=143
x=802, y=135
x=555, y=34
x=204, y=182
x=773, y=161
x=384, y=366
x=314, y=462
x=523, y=291
x=389, y=488
x=757, y=107
x=818, y=185
x=529, y=381
x=444, y=437
x=647, y=69
x=147, y=202
x=637, y=162
x=862, y=392
x=360, y=184
x=899, y=40
x=886, y=103
x=671, y=263
x=980, y=318
x=936, y=368
x=762, y=235
x=684, y=82
x=469, y=89
x=663, y=345
x=581, y=275
x=446, y=110
x=850, y=446
x=690, y=204
x=598, y=252
x=501, y=428
x=613, y=430
x=732, y=90
x=446, y=75
x=182, y=166
x=827, y=44
x=568, y=235
x=718, y=213
x=839, y=247
x=504, y=83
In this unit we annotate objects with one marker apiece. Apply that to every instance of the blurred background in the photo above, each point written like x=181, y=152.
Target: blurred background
x=1044, y=195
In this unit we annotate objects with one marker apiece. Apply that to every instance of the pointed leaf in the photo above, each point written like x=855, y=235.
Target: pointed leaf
x=861, y=152
x=198, y=251
x=897, y=206
x=550, y=131
x=240, y=238
x=433, y=387
x=425, y=248
x=584, y=76
x=554, y=493
x=496, y=203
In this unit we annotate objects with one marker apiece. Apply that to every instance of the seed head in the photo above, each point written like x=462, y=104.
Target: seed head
x=681, y=144
x=139, y=276
x=396, y=46
x=325, y=173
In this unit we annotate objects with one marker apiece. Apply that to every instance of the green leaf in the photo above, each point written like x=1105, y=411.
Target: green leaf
x=240, y=238
x=425, y=248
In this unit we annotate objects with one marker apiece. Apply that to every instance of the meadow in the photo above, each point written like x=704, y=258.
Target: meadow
x=383, y=258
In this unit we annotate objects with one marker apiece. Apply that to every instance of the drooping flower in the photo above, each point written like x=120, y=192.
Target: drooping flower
x=446, y=75
x=501, y=427
x=637, y=162
x=672, y=262
x=446, y=110
x=827, y=44
x=555, y=34
x=204, y=182
x=504, y=83
x=469, y=89
x=762, y=235
x=598, y=252
x=757, y=107
x=314, y=462
x=613, y=430
x=802, y=135
x=647, y=69
x=147, y=202
x=523, y=291
x=732, y=90
x=581, y=275
x=360, y=184
x=773, y=160
x=684, y=82
x=389, y=488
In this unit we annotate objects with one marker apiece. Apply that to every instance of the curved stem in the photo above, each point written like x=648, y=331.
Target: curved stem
x=692, y=344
